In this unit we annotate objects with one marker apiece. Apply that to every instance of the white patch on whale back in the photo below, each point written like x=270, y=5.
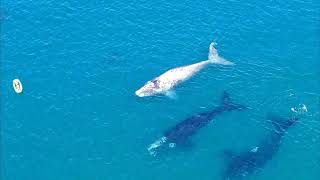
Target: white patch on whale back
x=155, y=145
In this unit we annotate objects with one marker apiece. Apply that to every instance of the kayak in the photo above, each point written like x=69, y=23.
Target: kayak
x=17, y=86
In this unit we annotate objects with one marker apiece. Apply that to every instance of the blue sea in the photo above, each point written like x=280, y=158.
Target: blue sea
x=80, y=63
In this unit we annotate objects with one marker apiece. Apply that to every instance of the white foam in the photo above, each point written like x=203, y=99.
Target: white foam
x=172, y=145
x=255, y=149
x=302, y=108
x=293, y=109
x=156, y=144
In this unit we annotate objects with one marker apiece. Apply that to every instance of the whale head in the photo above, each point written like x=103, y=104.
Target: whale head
x=149, y=89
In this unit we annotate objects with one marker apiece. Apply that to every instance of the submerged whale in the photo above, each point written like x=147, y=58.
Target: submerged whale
x=179, y=134
x=171, y=78
x=243, y=164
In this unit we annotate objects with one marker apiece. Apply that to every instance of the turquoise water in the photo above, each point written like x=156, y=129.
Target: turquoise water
x=81, y=62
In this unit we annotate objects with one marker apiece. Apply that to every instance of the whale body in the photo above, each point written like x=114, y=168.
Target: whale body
x=173, y=77
x=245, y=163
x=179, y=134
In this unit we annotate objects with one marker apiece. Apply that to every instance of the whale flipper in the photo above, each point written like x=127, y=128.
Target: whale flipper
x=226, y=103
x=214, y=57
x=171, y=94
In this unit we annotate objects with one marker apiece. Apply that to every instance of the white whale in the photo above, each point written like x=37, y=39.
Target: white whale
x=171, y=78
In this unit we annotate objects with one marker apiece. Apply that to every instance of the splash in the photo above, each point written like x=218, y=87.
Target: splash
x=302, y=108
x=152, y=148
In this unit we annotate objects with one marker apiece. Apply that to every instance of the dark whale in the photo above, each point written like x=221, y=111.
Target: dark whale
x=179, y=134
x=243, y=164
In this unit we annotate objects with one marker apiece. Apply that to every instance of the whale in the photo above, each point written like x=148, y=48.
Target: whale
x=180, y=134
x=249, y=161
x=166, y=82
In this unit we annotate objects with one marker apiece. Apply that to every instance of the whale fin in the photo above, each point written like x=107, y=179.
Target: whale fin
x=171, y=94
x=226, y=102
x=221, y=60
x=214, y=57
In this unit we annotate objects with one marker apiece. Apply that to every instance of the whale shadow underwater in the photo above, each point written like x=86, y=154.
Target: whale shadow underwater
x=241, y=165
x=179, y=135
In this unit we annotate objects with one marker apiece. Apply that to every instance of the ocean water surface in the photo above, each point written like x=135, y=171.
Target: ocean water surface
x=80, y=63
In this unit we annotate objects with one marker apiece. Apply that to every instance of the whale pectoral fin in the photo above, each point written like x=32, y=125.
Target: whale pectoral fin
x=171, y=94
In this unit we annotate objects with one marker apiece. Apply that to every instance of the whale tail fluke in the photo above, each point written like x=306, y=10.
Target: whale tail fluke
x=214, y=57
x=229, y=105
